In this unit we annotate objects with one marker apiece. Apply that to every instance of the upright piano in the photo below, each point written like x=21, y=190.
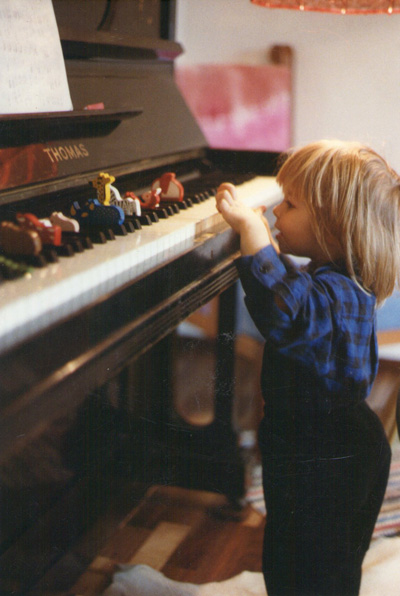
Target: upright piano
x=85, y=327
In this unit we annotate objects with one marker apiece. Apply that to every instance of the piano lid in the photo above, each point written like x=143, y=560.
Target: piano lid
x=145, y=120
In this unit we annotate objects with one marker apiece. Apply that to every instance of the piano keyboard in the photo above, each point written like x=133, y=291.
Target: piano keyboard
x=49, y=295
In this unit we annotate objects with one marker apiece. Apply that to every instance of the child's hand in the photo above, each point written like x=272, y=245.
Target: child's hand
x=249, y=223
x=235, y=213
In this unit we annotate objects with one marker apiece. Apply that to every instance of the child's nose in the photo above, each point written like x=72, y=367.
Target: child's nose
x=275, y=210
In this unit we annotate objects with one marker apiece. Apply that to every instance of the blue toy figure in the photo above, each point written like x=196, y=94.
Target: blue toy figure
x=94, y=214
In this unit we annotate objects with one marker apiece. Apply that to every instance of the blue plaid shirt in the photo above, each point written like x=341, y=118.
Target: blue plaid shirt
x=322, y=352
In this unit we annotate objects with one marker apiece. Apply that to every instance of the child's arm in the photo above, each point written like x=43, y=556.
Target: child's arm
x=250, y=224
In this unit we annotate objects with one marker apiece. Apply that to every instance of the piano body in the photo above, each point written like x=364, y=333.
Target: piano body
x=85, y=335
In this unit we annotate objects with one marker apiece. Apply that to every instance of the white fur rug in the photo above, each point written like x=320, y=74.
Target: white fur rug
x=381, y=577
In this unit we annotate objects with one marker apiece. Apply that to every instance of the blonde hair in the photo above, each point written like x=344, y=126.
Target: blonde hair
x=353, y=195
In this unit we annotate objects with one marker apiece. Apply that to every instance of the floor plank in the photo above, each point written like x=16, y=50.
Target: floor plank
x=191, y=536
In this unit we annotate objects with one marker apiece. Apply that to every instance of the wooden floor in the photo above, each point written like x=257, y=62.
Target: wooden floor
x=189, y=535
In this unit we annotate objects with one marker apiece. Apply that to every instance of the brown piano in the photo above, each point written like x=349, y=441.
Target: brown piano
x=85, y=327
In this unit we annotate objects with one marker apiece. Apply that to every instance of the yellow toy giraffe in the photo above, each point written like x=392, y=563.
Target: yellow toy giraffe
x=102, y=185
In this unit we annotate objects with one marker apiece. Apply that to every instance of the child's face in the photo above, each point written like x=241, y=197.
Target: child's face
x=295, y=233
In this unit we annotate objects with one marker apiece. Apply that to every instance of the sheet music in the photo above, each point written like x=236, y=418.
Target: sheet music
x=32, y=70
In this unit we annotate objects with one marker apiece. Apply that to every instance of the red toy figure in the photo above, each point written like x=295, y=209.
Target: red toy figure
x=15, y=240
x=151, y=199
x=48, y=233
x=171, y=188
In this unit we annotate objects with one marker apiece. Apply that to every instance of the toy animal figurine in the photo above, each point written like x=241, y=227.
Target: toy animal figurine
x=102, y=186
x=15, y=240
x=151, y=199
x=94, y=214
x=171, y=188
x=48, y=233
x=107, y=194
x=67, y=224
x=129, y=205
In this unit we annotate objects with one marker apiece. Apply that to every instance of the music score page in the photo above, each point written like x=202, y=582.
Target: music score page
x=32, y=70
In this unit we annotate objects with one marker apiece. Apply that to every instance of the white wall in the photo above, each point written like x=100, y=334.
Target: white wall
x=346, y=71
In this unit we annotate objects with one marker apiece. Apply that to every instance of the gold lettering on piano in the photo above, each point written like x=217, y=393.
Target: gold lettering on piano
x=65, y=152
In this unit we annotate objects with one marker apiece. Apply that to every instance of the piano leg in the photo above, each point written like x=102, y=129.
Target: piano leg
x=159, y=446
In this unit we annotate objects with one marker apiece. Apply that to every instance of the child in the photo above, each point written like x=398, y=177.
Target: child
x=325, y=455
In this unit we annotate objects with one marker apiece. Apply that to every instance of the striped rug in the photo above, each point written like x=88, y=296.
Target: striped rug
x=388, y=523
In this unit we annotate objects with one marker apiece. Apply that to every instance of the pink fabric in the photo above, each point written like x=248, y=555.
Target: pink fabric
x=239, y=106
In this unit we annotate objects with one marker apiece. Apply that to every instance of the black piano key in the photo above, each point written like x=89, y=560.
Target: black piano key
x=129, y=225
x=145, y=219
x=78, y=240
x=133, y=221
x=97, y=236
x=67, y=250
x=82, y=245
x=50, y=254
x=86, y=241
x=162, y=213
x=153, y=216
x=38, y=261
x=120, y=230
x=172, y=208
x=109, y=233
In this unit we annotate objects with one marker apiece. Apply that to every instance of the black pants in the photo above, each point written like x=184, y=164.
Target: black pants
x=323, y=489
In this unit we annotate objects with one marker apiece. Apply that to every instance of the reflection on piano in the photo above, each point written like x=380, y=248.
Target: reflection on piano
x=85, y=325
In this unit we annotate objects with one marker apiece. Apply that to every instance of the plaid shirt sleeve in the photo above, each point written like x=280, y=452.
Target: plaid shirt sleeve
x=328, y=324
